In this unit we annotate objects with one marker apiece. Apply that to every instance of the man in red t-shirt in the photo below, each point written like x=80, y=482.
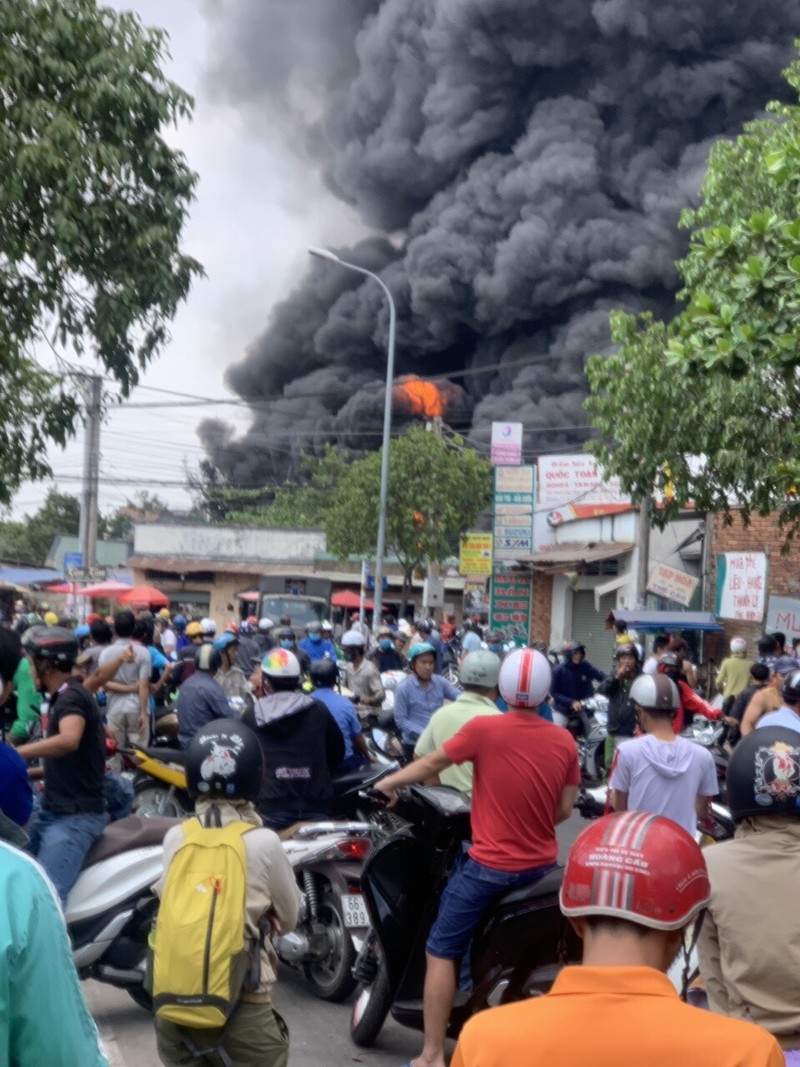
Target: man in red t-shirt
x=525, y=781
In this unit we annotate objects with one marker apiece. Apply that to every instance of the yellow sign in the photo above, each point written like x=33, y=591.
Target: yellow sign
x=475, y=555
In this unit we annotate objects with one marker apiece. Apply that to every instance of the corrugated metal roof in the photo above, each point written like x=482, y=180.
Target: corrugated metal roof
x=567, y=556
x=29, y=575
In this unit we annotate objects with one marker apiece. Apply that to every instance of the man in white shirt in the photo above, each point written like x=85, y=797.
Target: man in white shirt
x=129, y=692
x=660, y=646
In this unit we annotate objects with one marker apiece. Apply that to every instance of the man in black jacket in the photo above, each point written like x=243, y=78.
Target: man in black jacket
x=617, y=687
x=301, y=742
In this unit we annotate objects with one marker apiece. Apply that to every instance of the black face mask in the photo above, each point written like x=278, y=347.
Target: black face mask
x=350, y=654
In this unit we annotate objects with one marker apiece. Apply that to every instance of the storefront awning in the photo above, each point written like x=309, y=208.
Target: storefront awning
x=571, y=556
x=666, y=620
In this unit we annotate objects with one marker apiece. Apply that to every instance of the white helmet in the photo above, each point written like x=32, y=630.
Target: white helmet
x=280, y=663
x=738, y=644
x=525, y=678
x=265, y=624
x=354, y=639
x=481, y=668
x=208, y=626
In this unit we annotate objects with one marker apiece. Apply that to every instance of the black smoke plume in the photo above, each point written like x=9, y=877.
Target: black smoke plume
x=526, y=162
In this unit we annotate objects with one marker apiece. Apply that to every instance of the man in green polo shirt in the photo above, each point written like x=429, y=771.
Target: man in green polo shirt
x=479, y=674
x=28, y=703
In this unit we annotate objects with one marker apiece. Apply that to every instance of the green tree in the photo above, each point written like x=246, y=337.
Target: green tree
x=92, y=205
x=706, y=404
x=118, y=525
x=29, y=540
x=437, y=488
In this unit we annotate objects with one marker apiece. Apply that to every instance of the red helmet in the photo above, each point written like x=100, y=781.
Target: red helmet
x=636, y=866
x=525, y=678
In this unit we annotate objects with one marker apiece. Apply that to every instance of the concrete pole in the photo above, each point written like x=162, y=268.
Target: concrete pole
x=92, y=393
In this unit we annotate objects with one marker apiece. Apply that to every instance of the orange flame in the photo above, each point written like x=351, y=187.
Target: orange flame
x=420, y=398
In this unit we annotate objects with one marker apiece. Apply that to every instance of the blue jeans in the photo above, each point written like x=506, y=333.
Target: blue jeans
x=470, y=891
x=61, y=842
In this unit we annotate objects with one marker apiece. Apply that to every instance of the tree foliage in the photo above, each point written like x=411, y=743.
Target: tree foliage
x=92, y=205
x=437, y=488
x=28, y=541
x=706, y=404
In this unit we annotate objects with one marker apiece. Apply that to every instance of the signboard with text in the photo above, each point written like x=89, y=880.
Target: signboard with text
x=506, y=444
x=475, y=554
x=741, y=586
x=510, y=609
x=672, y=584
x=576, y=479
x=513, y=512
x=783, y=616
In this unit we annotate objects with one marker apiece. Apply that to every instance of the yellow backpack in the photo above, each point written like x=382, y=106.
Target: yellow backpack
x=200, y=955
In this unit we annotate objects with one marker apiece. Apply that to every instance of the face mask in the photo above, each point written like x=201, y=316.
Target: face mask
x=287, y=644
x=386, y=644
x=350, y=654
x=315, y=637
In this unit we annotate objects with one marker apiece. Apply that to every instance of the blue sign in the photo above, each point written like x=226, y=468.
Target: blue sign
x=371, y=583
x=73, y=559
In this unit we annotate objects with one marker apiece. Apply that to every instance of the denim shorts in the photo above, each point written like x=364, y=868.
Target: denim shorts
x=470, y=891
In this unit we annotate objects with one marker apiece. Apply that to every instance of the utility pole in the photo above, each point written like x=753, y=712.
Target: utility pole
x=92, y=394
x=643, y=538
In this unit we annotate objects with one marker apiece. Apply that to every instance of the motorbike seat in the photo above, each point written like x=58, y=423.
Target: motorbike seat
x=167, y=755
x=129, y=833
x=545, y=887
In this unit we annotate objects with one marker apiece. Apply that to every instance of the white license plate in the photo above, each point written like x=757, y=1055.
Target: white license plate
x=354, y=910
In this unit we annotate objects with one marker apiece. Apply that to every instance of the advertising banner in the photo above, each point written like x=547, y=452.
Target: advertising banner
x=741, y=586
x=475, y=554
x=511, y=604
x=783, y=615
x=513, y=512
x=672, y=584
x=506, y=444
x=576, y=479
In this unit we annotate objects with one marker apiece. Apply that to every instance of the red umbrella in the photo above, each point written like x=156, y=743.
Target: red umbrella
x=108, y=588
x=146, y=595
x=60, y=587
x=347, y=599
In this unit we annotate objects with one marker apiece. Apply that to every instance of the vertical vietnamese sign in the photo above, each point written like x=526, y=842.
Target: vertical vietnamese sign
x=506, y=444
x=510, y=609
x=741, y=586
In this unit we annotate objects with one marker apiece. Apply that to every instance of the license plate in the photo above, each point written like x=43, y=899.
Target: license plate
x=354, y=910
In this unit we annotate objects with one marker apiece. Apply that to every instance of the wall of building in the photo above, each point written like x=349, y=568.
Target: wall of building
x=235, y=543
x=542, y=607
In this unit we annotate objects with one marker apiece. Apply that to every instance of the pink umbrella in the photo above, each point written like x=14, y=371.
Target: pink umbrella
x=108, y=588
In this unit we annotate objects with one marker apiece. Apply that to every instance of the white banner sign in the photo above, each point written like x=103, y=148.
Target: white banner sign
x=506, y=444
x=672, y=584
x=576, y=479
x=783, y=616
x=741, y=586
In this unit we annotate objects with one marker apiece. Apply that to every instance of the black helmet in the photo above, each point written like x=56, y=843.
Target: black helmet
x=324, y=673
x=573, y=646
x=764, y=774
x=224, y=760
x=55, y=644
x=287, y=634
x=423, y=625
x=791, y=687
x=626, y=648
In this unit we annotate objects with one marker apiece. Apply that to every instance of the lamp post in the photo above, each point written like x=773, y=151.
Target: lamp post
x=324, y=253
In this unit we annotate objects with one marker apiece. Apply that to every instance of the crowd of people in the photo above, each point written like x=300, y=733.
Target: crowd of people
x=260, y=712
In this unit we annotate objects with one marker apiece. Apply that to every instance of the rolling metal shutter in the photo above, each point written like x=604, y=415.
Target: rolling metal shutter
x=588, y=627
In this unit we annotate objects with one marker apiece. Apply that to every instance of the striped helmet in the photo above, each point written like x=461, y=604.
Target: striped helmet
x=636, y=866
x=525, y=678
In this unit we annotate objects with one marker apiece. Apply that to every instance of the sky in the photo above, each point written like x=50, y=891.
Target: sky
x=259, y=206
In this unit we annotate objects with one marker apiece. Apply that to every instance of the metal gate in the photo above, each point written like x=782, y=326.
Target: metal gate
x=588, y=627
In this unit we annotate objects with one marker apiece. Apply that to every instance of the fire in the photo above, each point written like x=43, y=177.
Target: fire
x=420, y=398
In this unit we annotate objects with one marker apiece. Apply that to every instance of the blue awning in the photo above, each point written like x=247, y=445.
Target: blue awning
x=29, y=575
x=667, y=620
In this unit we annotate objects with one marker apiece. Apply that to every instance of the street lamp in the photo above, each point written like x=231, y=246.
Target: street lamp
x=325, y=253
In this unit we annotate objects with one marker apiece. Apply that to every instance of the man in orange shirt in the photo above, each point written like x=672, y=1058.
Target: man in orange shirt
x=634, y=882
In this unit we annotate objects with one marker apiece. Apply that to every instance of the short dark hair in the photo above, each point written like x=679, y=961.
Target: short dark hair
x=10, y=654
x=661, y=641
x=679, y=646
x=124, y=623
x=101, y=632
x=780, y=638
x=143, y=630
x=759, y=672
x=283, y=685
x=767, y=645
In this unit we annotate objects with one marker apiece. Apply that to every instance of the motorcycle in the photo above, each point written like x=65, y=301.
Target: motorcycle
x=517, y=950
x=327, y=859
x=111, y=907
x=159, y=783
x=712, y=736
x=589, y=727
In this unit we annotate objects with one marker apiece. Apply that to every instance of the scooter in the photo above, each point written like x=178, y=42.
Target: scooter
x=111, y=907
x=159, y=781
x=327, y=858
x=589, y=727
x=517, y=950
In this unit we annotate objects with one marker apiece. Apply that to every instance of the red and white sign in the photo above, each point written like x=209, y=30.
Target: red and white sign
x=741, y=585
x=672, y=584
x=506, y=444
x=576, y=480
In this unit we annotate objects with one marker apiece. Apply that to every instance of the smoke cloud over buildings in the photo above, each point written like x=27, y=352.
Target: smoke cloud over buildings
x=521, y=165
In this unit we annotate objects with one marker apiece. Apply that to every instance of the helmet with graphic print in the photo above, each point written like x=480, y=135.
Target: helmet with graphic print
x=525, y=677
x=636, y=866
x=764, y=774
x=280, y=663
x=224, y=761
